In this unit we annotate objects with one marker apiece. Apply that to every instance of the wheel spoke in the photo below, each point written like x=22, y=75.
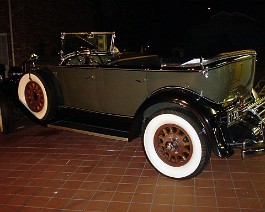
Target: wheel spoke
x=162, y=137
x=182, y=156
x=186, y=144
x=171, y=130
x=34, y=96
x=165, y=131
x=161, y=145
x=173, y=145
x=182, y=137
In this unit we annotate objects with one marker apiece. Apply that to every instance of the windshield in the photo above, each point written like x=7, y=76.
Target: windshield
x=102, y=42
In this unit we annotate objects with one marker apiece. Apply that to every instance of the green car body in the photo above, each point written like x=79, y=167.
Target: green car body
x=105, y=86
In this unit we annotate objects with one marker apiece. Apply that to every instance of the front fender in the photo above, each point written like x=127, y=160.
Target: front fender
x=179, y=98
x=48, y=72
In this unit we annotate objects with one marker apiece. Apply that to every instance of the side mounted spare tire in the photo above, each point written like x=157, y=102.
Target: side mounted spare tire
x=7, y=121
x=176, y=144
x=37, y=93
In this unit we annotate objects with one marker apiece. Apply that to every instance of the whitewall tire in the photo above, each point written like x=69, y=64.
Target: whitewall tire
x=36, y=93
x=174, y=145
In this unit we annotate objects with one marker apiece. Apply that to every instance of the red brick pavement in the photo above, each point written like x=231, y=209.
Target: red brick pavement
x=44, y=169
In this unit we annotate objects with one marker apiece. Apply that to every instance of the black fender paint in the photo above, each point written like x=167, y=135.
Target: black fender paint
x=178, y=98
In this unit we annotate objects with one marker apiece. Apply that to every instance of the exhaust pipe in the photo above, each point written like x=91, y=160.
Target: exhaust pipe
x=255, y=150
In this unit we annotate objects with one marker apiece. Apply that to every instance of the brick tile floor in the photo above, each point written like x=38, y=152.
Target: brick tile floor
x=44, y=169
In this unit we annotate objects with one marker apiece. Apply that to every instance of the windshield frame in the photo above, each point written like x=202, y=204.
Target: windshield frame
x=85, y=36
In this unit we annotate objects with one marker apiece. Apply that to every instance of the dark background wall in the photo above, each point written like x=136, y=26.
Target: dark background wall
x=184, y=29
x=37, y=24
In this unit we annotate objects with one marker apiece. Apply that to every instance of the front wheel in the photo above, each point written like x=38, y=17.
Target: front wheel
x=175, y=144
x=37, y=93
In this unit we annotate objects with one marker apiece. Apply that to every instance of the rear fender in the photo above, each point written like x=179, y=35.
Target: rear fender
x=178, y=98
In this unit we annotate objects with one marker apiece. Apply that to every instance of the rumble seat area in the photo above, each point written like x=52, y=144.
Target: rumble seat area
x=145, y=61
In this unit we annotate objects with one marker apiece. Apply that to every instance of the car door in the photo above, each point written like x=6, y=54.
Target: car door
x=124, y=90
x=79, y=86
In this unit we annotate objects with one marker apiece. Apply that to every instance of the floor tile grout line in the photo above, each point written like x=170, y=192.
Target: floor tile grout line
x=121, y=177
x=152, y=203
x=174, y=196
x=257, y=196
x=102, y=158
x=70, y=199
x=27, y=186
x=214, y=186
x=117, y=157
x=194, y=194
x=232, y=179
x=139, y=146
x=95, y=191
x=65, y=181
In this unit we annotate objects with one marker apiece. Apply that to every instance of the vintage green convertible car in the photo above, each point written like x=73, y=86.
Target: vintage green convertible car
x=181, y=111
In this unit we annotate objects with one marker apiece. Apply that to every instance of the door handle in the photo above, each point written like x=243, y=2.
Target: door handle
x=91, y=77
x=141, y=80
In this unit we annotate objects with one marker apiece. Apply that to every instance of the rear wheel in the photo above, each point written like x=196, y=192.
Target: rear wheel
x=37, y=93
x=175, y=144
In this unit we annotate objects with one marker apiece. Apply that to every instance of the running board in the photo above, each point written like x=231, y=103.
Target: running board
x=90, y=130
